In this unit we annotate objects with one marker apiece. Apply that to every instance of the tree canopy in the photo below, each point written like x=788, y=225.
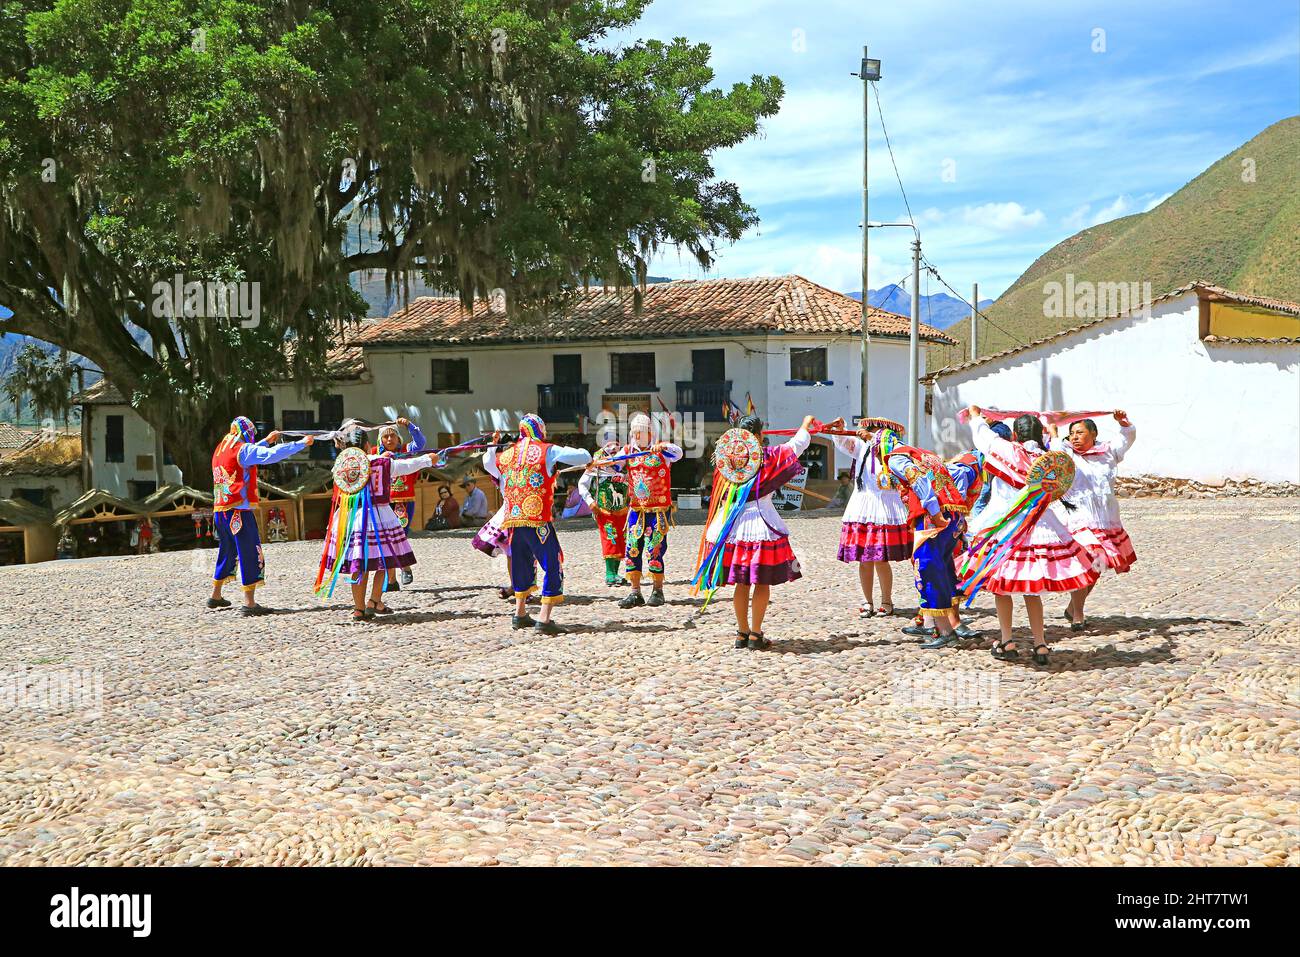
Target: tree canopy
x=486, y=145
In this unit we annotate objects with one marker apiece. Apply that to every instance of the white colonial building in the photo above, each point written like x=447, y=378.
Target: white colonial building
x=1210, y=377
x=790, y=346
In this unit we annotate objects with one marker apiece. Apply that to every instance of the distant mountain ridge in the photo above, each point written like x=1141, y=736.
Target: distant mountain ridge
x=939, y=310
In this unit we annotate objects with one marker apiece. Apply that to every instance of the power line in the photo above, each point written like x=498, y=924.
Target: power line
x=892, y=160
x=931, y=268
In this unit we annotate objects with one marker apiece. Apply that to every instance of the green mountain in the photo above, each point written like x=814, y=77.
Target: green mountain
x=1237, y=225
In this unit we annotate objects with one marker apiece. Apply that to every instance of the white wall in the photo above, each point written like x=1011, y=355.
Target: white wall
x=137, y=439
x=1203, y=411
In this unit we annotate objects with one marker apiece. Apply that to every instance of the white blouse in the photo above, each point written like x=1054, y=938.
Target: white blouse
x=869, y=503
x=1093, y=491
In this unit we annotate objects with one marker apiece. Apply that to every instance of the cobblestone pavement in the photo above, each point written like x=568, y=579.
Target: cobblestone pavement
x=1168, y=732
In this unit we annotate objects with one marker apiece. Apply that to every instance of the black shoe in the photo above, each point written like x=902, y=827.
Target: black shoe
x=758, y=642
x=521, y=621
x=548, y=628
x=1077, y=626
x=394, y=586
x=656, y=598
x=963, y=631
x=919, y=631
x=218, y=603
x=742, y=640
x=1002, y=652
x=633, y=600
x=252, y=611
x=941, y=641
x=1040, y=657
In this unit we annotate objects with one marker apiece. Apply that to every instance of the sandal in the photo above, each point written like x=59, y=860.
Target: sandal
x=885, y=614
x=1077, y=625
x=379, y=608
x=358, y=614
x=758, y=642
x=1004, y=650
x=866, y=610
x=1040, y=659
x=742, y=639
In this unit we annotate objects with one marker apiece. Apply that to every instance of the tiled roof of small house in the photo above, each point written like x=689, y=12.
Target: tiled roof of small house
x=781, y=305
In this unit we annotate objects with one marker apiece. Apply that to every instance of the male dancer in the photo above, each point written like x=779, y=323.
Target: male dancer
x=527, y=473
x=234, y=489
x=650, y=502
x=608, y=504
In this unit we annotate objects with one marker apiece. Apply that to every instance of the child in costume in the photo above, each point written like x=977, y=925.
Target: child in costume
x=1019, y=544
x=234, y=490
x=1095, y=522
x=527, y=472
x=875, y=530
x=363, y=534
x=608, y=504
x=650, y=502
x=745, y=542
x=933, y=503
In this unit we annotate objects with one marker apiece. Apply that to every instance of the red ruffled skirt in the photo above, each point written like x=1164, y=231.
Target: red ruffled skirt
x=1109, y=547
x=1031, y=569
x=869, y=542
x=761, y=563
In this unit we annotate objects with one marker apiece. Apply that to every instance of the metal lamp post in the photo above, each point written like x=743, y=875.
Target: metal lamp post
x=868, y=72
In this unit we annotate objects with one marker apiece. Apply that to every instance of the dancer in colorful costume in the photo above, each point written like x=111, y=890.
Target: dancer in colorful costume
x=403, y=490
x=363, y=534
x=234, y=490
x=527, y=472
x=650, y=502
x=1095, y=522
x=934, y=503
x=745, y=542
x=1019, y=544
x=608, y=506
x=875, y=530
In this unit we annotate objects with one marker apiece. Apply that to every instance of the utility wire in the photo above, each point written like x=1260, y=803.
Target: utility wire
x=978, y=312
x=892, y=160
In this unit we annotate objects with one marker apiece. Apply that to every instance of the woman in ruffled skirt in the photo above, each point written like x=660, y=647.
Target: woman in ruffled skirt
x=875, y=530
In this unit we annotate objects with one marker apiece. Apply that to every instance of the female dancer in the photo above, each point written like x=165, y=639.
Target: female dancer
x=1039, y=559
x=875, y=531
x=1095, y=521
x=363, y=534
x=755, y=552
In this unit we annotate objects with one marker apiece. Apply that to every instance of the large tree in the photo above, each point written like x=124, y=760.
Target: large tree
x=487, y=144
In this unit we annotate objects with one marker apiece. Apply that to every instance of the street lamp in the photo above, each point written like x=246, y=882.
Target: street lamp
x=868, y=72
x=912, y=361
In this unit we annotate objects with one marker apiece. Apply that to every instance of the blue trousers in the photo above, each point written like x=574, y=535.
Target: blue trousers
x=238, y=544
x=530, y=547
x=936, y=578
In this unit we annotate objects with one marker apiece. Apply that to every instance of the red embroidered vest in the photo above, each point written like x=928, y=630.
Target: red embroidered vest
x=649, y=483
x=232, y=484
x=529, y=492
x=973, y=462
x=925, y=462
x=403, y=486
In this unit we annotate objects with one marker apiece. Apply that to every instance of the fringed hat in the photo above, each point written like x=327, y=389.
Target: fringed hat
x=885, y=441
x=387, y=430
x=243, y=427
x=531, y=426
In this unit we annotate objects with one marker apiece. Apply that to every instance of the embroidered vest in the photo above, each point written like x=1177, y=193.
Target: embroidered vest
x=232, y=484
x=974, y=462
x=649, y=482
x=927, y=463
x=381, y=480
x=403, y=486
x=528, y=491
x=611, y=493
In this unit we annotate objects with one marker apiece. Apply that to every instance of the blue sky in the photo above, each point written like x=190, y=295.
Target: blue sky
x=1041, y=136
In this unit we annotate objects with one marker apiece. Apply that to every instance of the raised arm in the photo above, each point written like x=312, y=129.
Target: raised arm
x=417, y=443
x=584, y=487
x=490, y=463
x=1127, y=435
x=262, y=453
x=565, y=455
x=414, y=463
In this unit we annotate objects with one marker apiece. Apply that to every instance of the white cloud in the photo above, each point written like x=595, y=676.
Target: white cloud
x=1155, y=202
x=1003, y=217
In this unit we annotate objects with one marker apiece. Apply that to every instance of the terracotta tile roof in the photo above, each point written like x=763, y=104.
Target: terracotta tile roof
x=789, y=305
x=102, y=392
x=12, y=437
x=1206, y=290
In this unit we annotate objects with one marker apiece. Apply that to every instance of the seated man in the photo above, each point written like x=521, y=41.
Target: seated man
x=474, y=510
